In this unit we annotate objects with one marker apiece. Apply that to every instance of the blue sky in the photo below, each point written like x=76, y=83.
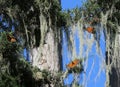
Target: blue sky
x=100, y=80
x=69, y=4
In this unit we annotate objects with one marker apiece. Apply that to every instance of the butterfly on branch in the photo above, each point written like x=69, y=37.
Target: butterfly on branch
x=90, y=30
x=73, y=66
x=73, y=63
x=11, y=38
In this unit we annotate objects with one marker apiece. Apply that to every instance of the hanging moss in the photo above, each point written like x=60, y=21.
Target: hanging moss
x=33, y=15
x=16, y=72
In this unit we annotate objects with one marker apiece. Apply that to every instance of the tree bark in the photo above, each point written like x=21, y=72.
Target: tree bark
x=48, y=54
x=113, y=62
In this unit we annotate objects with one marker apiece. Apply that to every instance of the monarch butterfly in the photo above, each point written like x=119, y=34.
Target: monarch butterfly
x=73, y=63
x=90, y=29
x=11, y=38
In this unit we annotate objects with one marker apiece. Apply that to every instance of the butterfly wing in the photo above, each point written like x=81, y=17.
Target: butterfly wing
x=70, y=65
x=73, y=63
x=90, y=29
x=11, y=38
x=76, y=61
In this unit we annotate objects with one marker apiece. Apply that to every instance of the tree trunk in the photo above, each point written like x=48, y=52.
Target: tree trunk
x=113, y=62
x=48, y=54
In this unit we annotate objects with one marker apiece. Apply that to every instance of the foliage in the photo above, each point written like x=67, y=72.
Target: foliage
x=113, y=17
x=27, y=15
x=6, y=45
x=16, y=72
x=109, y=11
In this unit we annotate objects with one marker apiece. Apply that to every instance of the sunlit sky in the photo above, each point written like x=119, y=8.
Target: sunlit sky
x=91, y=82
x=69, y=4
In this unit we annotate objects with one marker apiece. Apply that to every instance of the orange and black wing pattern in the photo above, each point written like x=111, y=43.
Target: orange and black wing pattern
x=90, y=29
x=73, y=63
x=11, y=38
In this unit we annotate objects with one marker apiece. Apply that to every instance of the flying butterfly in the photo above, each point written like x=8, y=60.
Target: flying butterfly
x=73, y=63
x=11, y=38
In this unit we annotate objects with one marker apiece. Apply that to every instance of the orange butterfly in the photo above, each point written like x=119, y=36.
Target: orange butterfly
x=73, y=63
x=90, y=29
x=11, y=38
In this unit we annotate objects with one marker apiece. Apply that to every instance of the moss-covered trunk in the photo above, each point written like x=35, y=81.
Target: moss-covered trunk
x=47, y=56
x=113, y=60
